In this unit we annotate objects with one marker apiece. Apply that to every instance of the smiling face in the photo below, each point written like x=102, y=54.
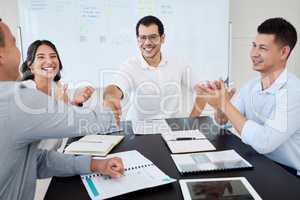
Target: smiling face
x=46, y=63
x=149, y=41
x=267, y=54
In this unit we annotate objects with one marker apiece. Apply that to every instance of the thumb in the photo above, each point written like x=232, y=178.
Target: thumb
x=222, y=84
x=232, y=92
x=65, y=87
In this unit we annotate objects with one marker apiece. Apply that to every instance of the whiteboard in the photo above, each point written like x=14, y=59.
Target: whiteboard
x=95, y=36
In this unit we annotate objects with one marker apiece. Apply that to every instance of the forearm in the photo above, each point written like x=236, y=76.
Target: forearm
x=38, y=117
x=51, y=163
x=198, y=107
x=220, y=117
x=235, y=117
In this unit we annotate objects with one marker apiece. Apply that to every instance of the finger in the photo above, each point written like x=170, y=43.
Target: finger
x=222, y=84
x=209, y=85
x=203, y=88
x=85, y=95
x=197, y=88
x=209, y=90
x=115, y=174
x=232, y=92
x=90, y=88
x=215, y=85
x=116, y=167
x=65, y=87
x=218, y=85
x=88, y=91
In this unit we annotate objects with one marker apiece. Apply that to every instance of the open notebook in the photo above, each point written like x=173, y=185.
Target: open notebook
x=209, y=161
x=187, y=141
x=140, y=173
x=96, y=145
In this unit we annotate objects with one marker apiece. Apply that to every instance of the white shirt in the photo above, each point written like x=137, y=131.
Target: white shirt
x=46, y=144
x=273, y=126
x=153, y=92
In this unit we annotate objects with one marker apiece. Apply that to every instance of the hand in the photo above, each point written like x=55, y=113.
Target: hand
x=82, y=95
x=112, y=167
x=115, y=104
x=61, y=93
x=219, y=116
x=215, y=93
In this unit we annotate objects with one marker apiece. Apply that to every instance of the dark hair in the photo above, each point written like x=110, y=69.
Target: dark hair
x=2, y=43
x=31, y=53
x=149, y=20
x=285, y=33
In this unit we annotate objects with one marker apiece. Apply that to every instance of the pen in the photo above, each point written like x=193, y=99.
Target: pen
x=186, y=138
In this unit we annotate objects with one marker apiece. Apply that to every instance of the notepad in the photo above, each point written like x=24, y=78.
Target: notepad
x=140, y=173
x=151, y=126
x=218, y=188
x=209, y=161
x=187, y=141
x=96, y=145
x=181, y=135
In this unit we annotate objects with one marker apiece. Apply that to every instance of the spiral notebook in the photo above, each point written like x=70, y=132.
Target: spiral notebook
x=140, y=173
x=209, y=161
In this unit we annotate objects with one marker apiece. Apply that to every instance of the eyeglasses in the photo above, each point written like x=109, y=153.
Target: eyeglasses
x=154, y=38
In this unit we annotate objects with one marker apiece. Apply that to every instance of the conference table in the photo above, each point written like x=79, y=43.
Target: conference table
x=268, y=178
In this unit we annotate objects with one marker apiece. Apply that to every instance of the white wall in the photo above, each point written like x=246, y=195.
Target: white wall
x=9, y=14
x=245, y=15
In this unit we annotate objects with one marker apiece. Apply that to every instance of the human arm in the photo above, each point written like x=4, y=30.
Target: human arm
x=203, y=93
x=34, y=116
x=276, y=129
x=81, y=95
x=112, y=97
x=52, y=163
x=198, y=107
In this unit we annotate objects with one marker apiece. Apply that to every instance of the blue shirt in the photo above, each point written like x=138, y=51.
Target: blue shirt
x=273, y=118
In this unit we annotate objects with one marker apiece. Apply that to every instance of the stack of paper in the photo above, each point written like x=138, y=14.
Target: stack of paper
x=140, y=173
x=97, y=145
x=187, y=141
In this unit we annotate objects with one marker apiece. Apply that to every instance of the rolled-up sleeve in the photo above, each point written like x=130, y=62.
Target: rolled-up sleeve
x=276, y=130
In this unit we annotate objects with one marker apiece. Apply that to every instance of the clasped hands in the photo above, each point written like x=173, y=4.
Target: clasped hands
x=215, y=93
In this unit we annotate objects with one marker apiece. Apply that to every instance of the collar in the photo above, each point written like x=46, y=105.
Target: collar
x=145, y=65
x=276, y=85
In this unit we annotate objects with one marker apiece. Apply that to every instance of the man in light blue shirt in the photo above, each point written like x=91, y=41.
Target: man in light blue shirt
x=266, y=112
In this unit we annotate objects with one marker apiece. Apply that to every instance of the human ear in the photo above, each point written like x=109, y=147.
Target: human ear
x=162, y=38
x=285, y=52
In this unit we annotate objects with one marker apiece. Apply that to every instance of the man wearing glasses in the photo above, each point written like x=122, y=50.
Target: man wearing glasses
x=151, y=81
